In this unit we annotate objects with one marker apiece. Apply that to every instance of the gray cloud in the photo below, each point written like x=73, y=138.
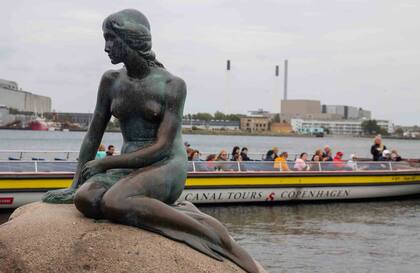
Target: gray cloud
x=362, y=53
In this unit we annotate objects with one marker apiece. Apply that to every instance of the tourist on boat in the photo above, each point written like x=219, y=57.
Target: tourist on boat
x=314, y=165
x=386, y=156
x=351, y=163
x=338, y=161
x=223, y=164
x=222, y=156
x=269, y=156
x=101, y=152
x=211, y=157
x=235, y=150
x=276, y=152
x=272, y=154
x=237, y=157
x=377, y=148
x=395, y=156
x=300, y=163
x=317, y=153
x=244, y=154
x=188, y=148
x=194, y=156
x=281, y=162
x=110, y=151
x=328, y=157
x=327, y=154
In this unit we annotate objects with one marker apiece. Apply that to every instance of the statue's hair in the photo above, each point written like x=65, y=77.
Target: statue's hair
x=133, y=28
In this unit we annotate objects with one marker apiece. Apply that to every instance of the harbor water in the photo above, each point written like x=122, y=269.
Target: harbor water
x=317, y=237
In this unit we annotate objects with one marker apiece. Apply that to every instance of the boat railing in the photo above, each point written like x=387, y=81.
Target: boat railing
x=37, y=166
x=19, y=155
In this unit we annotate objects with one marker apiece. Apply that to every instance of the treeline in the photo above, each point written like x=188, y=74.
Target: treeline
x=216, y=116
x=371, y=127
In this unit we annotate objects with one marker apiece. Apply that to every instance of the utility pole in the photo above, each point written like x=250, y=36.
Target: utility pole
x=285, y=80
x=227, y=86
x=277, y=73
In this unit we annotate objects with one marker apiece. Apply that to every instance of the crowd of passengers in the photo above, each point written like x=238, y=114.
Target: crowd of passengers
x=304, y=162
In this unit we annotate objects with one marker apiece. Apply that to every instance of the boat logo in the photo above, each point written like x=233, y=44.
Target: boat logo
x=6, y=200
x=270, y=197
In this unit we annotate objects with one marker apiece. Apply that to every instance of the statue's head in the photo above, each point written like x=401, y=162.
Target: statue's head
x=128, y=31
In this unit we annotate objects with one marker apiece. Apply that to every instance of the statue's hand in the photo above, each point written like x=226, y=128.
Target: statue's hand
x=63, y=196
x=91, y=168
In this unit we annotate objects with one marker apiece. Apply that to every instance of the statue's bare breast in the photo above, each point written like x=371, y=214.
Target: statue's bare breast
x=141, y=98
x=139, y=106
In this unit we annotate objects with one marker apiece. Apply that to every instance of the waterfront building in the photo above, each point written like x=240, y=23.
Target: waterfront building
x=12, y=96
x=300, y=107
x=312, y=109
x=304, y=109
x=346, y=112
x=337, y=127
x=281, y=127
x=386, y=125
x=255, y=124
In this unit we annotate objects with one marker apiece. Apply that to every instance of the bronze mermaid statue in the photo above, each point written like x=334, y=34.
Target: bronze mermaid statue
x=140, y=186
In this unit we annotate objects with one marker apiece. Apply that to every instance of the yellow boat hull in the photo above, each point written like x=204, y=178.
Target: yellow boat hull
x=18, y=189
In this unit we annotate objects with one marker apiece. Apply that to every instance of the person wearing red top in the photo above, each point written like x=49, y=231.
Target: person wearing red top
x=338, y=162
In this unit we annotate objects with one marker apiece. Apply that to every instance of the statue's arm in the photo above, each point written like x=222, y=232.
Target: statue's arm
x=168, y=129
x=100, y=119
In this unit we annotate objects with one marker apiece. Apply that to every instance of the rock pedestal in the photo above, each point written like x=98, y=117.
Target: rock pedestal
x=42, y=237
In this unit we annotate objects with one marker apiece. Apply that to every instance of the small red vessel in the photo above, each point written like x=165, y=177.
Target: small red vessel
x=38, y=125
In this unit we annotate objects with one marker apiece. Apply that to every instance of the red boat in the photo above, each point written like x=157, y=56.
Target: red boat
x=38, y=125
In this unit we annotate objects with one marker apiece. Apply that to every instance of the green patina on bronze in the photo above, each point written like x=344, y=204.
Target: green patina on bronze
x=140, y=186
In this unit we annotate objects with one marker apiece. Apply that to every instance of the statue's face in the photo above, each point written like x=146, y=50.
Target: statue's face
x=115, y=47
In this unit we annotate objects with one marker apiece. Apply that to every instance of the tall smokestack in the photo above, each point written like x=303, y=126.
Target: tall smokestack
x=285, y=80
x=228, y=65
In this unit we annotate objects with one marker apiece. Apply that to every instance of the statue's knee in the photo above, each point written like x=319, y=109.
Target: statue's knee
x=113, y=205
x=110, y=204
x=88, y=202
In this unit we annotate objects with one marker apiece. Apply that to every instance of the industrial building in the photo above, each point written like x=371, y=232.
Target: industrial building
x=312, y=109
x=13, y=97
x=255, y=124
x=346, y=112
x=337, y=127
x=304, y=109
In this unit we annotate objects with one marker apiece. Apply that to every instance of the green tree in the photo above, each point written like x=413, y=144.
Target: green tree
x=371, y=127
x=399, y=131
x=219, y=116
x=202, y=116
x=234, y=117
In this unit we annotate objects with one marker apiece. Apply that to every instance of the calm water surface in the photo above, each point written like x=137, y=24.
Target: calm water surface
x=331, y=237
x=41, y=140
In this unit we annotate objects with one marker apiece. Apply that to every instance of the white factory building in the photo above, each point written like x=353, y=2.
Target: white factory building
x=13, y=97
x=337, y=127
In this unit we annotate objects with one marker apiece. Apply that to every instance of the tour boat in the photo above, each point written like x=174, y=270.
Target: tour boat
x=24, y=181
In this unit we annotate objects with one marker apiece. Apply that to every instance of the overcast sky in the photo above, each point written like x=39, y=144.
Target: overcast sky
x=353, y=52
